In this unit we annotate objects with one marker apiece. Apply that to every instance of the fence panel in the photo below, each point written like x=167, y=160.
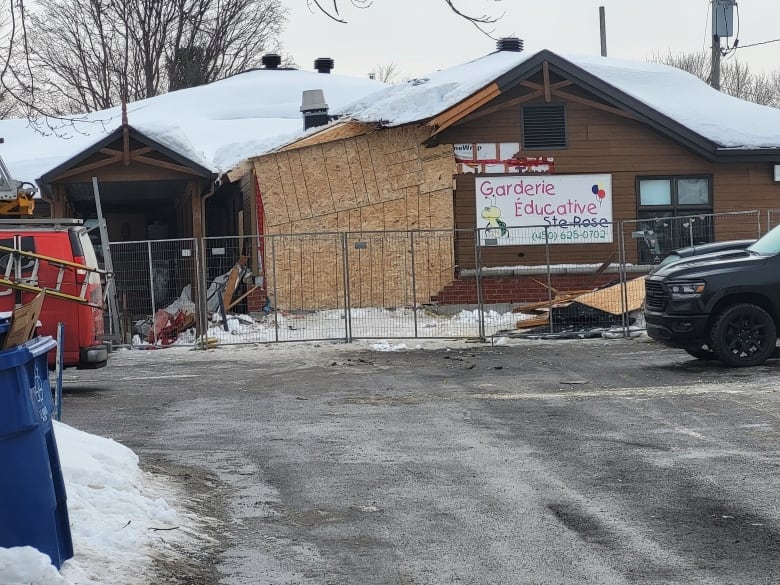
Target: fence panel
x=397, y=280
x=655, y=237
x=306, y=286
x=410, y=284
x=154, y=276
x=772, y=218
x=570, y=282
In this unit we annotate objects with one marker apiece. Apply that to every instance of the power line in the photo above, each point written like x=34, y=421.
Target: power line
x=757, y=44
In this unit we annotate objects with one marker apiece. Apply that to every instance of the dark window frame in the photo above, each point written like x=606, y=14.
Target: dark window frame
x=671, y=235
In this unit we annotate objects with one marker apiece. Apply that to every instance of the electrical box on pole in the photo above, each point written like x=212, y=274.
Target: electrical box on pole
x=723, y=18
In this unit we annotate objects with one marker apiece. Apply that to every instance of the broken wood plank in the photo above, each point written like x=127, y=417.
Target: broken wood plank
x=241, y=298
x=610, y=299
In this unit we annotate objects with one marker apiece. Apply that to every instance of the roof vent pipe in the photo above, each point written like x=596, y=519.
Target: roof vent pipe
x=510, y=44
x=314, y=109
x=271, y=61
x=324, y=64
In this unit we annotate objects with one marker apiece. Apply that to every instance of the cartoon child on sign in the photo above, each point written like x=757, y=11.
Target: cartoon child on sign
x=493, y=216
x=599, y=192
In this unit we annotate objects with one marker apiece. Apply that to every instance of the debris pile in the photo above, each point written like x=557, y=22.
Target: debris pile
x=583, y=313
x=176, y=323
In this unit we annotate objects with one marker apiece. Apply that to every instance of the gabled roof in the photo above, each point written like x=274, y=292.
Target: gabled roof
x=107, y=156
x=670, y=100
x=214, y=126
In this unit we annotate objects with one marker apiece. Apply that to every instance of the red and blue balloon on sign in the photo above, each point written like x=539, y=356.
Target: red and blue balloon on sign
x=598, y=191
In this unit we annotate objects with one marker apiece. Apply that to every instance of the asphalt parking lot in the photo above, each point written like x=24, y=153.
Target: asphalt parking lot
x=578, y=461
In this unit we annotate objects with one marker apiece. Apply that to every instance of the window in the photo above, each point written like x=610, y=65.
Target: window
x=674, y=212
x=544, y=127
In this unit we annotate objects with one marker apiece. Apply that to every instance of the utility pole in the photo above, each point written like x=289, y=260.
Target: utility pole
x=603, y=30
x=715, y=63
x=722, y=27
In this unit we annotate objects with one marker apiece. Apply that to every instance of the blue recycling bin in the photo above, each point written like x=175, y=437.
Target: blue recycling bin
x=33, y=503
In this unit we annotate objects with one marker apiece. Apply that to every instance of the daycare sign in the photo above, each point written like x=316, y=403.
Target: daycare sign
x=535, y=209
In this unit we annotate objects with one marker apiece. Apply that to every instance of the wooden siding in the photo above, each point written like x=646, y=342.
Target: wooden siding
x=601, y=142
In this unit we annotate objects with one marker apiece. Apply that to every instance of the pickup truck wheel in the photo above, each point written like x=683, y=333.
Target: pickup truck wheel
x=701, y=352
x=743, y=335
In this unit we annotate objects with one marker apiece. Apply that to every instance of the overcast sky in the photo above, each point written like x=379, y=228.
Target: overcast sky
x=421, y=36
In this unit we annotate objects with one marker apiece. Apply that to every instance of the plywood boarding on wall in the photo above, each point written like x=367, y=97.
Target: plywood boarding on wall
x=288, y=188
x=317, y=181
x=299, y=184
x=339, y=176
x=384, y=181
x=307, y=271
x=272, y=192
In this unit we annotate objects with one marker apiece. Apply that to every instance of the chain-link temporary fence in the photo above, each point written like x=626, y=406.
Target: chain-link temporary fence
x=516, y=281
x=772, y=218
x=154, y=281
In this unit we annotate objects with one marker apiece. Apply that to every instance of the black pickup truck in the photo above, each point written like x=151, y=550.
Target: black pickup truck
x=723, y=305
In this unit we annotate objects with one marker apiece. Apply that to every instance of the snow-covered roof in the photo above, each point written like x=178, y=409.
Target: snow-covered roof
x=216, y=125
x=224, y=123
x=683, y=98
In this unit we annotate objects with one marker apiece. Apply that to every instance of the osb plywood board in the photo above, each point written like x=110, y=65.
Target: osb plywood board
x=320, y=196
x=610, y=299
x=363, y=147
x=288, y=188
x=377, y=163
x=394, y=213
x=271, y=191
x=400, y=182
x=355, y=219
x=343, y=220
x=441, y=209
x=413, y=207
x=339, y=176
x=424, y=207
x=332, y=133
x=373, y=217
x=299, y=184
x=357, y=173
x=438, y=172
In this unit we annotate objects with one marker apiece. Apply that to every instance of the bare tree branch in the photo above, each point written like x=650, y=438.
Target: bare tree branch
x=87, y=55
x=478, y=21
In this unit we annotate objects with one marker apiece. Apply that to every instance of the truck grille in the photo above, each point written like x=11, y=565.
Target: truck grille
x=655, y=296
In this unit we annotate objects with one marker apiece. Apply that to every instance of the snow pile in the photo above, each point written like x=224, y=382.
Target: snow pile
x=116, y=512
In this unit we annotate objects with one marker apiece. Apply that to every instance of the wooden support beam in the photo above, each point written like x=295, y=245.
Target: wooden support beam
x=167, y=165
x=599, y=106
x=507, y=104
x=126, y=145
x=141, y=151
x=464, y=108
x=540, y=86
x=90, y=167
x=546, y=77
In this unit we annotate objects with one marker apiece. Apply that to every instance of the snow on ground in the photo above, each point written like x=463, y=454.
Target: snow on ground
x=117, y=513
x=371, y=323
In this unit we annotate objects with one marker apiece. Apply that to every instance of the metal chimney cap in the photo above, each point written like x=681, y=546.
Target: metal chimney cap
x=271, y=61
x=324, y=64
x=510, y=44
x=313, y=99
